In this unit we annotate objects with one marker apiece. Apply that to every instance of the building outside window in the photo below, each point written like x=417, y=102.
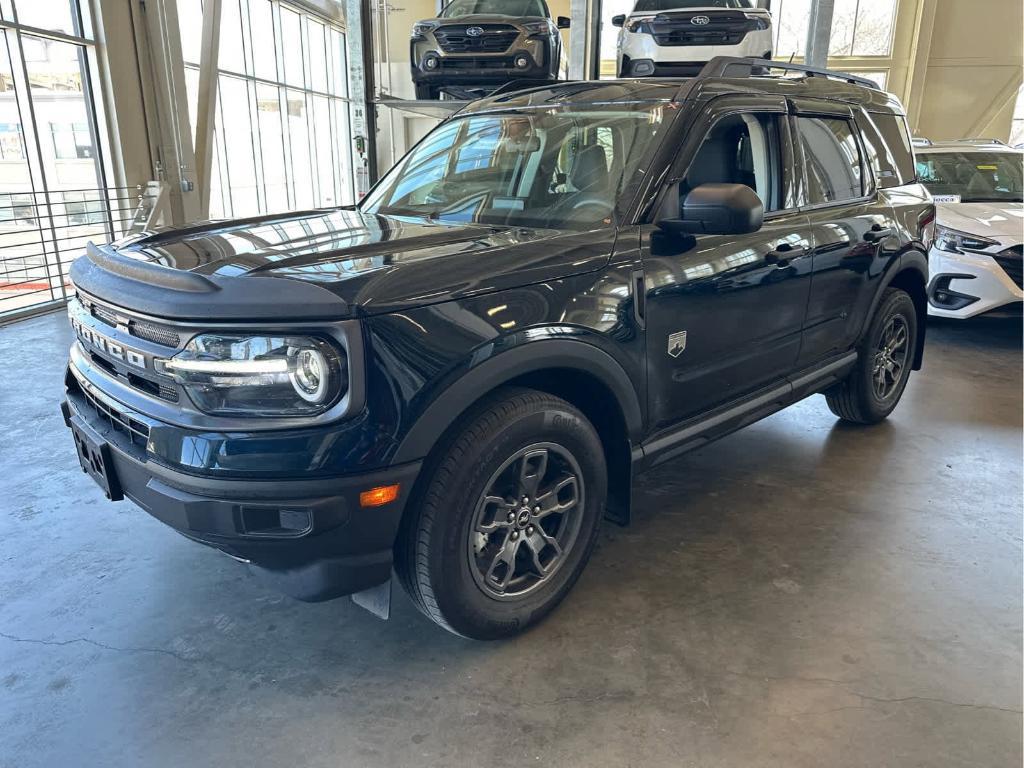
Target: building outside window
x=282, y=127
x=54, y=192
x=71, y=141
x=1017, y=126
x=859, y=27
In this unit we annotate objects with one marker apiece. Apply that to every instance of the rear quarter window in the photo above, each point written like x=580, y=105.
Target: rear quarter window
x=887, y=144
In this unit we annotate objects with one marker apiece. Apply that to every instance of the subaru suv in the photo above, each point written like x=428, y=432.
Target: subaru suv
x=481, y=45
x=458, y=378
x=678, y=37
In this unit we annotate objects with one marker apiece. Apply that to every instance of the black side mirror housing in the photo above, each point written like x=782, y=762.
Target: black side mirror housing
x=619, y=20
x=714, y=209
x=563, y=22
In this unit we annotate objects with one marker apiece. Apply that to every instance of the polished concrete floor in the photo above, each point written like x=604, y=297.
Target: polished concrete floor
x=799, y=594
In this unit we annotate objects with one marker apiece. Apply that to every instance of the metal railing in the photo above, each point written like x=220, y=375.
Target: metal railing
x=41, y=233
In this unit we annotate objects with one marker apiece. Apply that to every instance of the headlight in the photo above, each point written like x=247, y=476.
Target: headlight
x=421, y=28
x=760, y=22
x=536, y=28
x=246, y=375
x=639, y=25
x=954, y=241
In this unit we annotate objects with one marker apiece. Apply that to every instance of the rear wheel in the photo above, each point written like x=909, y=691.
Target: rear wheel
x=508, y=517
x=870, y=393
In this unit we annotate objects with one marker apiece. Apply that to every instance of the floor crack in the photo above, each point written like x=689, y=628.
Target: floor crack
x=844, y=684
x=103, y=646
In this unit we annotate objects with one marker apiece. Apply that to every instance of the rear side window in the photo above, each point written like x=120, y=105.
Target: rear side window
x=887, y=143
x=832, y=159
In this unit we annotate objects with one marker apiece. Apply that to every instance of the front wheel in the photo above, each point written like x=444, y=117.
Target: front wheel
x=872, y=390
x=427, y=92
x=508, y=517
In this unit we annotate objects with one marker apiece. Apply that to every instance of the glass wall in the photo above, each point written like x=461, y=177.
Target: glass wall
x=859, y=27
x=283, y=139
x=54, y=195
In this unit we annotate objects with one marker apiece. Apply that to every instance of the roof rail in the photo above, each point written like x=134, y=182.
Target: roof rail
x=979, y=141
x=724, y=66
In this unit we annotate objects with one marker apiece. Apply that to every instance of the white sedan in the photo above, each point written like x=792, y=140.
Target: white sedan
x=975, y=263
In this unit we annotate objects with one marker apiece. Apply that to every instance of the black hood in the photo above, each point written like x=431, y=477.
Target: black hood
x=369, y=264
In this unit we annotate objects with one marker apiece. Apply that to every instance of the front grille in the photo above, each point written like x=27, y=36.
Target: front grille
x=728, y=28
x=104, y=315
x=680, y=37
x=498, y=62
x=1012, y=262
x=151, y=332
x=121, y=421
x=495, y=38
x=141, y=329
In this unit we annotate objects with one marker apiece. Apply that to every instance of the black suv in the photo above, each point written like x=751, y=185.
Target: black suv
x=481, y=45
x=554, y=290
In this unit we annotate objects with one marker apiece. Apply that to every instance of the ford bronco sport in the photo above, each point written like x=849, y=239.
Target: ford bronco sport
x=554, y=290
x=481, y=45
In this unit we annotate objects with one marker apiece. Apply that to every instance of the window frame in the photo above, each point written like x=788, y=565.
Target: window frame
x=808, y=109
x=708, y=116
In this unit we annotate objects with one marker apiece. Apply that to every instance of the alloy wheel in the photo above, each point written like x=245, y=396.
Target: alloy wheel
x=891, y=355
x=527, y=521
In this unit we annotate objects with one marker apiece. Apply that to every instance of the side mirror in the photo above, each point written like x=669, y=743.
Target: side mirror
x=715, y=209
x=618, y=21
x=563, y=22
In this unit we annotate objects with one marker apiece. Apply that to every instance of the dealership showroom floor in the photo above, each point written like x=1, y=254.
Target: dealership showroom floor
x=274, y=269
x=798, y=594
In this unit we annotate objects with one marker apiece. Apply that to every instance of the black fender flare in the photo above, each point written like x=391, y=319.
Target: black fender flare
x=910, y=260
x=513, y=363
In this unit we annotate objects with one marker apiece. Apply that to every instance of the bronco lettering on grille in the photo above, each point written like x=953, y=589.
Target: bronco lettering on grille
x=109, y=346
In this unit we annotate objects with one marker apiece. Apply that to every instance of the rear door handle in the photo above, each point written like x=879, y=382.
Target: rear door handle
x=784, y=254
x=878, y=232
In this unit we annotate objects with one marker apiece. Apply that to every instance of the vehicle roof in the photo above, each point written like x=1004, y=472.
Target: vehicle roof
x=678, y=89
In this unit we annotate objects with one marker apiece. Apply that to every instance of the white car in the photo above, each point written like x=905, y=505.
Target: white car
x=675, y=38
x=975, y=263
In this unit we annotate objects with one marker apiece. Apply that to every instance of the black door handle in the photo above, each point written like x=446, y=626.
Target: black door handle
x=878, y=232
x=784, y=254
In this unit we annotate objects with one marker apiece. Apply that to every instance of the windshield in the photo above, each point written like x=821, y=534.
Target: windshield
x=972, y=177
x=458, y=8
x=553, y=167
x=651, y=6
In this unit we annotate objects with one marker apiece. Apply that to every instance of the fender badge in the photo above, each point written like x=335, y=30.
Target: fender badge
x=676, y=343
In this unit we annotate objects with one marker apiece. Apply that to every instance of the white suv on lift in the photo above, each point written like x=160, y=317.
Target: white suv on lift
x=675, y=38
x=975, y=263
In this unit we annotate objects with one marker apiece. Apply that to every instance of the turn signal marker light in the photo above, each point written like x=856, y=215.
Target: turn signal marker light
x=379, y=496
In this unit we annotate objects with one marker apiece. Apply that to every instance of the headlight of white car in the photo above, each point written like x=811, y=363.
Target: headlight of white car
x=955, y=241
x=639, y=24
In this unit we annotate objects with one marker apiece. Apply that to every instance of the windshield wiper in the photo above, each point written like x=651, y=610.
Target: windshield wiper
x=390, y=211
x=991, y=200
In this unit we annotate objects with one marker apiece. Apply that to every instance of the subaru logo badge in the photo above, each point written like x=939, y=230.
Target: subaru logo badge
x=475, y=31
x=700, y=21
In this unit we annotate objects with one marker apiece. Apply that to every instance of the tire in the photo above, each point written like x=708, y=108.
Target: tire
x=860, y=399
x=454, y=573
x=427, y=92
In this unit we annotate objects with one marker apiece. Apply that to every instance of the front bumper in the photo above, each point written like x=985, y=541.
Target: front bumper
x=964, y=285
x=310, y=537
x=477, y=68
x=638, y=53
